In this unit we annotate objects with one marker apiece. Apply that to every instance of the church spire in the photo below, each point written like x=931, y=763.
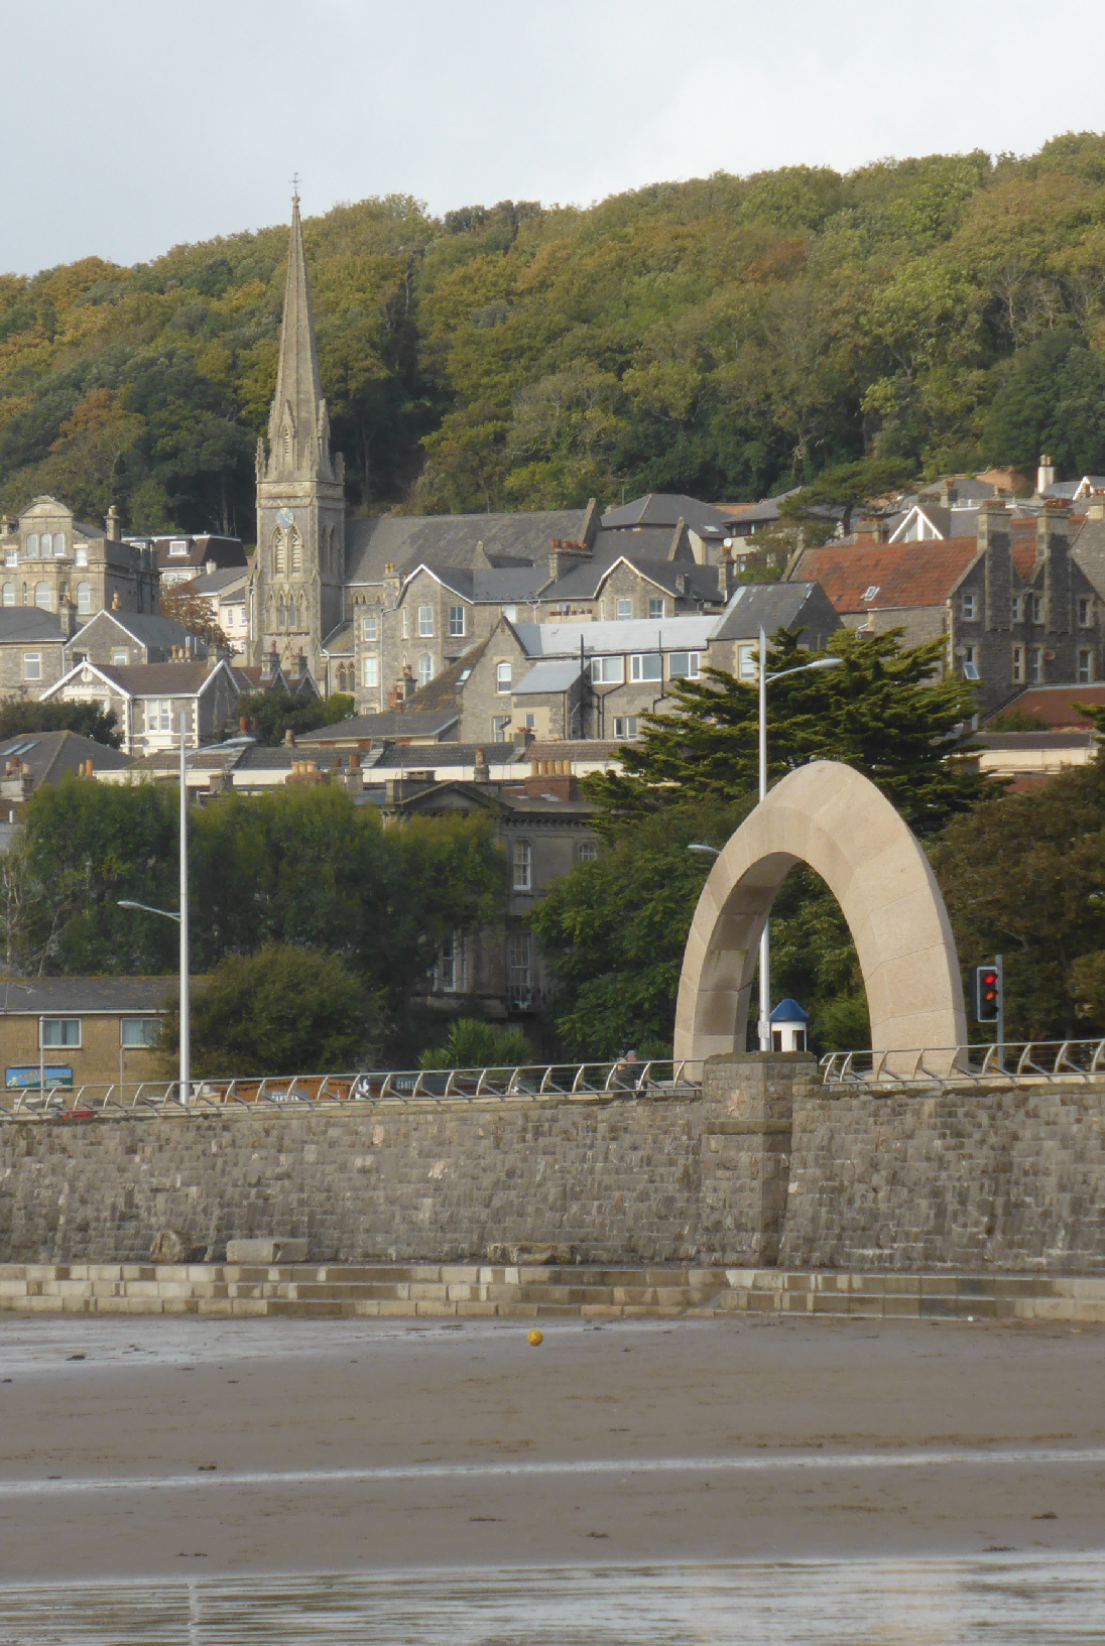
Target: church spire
x=299, y=429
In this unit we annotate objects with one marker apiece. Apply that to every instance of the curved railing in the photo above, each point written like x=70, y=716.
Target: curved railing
x=1022, y=1060
x=654, y=1080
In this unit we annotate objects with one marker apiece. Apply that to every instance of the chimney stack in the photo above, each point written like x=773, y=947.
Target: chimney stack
x=1045, y=474
x=480, y=772
x=113, y=527
x=289, y=738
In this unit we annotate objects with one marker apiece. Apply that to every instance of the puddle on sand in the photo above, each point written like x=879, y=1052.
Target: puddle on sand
x=1002, y=1600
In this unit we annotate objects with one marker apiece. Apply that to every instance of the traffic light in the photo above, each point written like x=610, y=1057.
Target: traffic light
x=987, y=993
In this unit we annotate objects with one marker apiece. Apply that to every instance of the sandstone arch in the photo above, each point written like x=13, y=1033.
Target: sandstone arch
x=833, y=818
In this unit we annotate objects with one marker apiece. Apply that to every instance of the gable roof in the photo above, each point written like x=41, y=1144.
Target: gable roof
x=148, y=679
x=390, y=723
x=666, y=509
x=889, y=576
x=772, y=606
x=700, y=582
x=147, y=629
x=461, y=540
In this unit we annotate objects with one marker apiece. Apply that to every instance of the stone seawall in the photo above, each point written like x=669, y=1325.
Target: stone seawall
x=1012, y=1177
x=763, y=1168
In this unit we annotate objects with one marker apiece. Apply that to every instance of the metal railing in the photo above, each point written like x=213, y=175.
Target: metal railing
x=657, y=1079
x=1022, y=1060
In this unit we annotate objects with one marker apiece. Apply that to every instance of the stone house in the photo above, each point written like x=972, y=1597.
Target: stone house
x=52, y=559
x=149, y=698
x=802, y=608
x=578, y=680
x=181, y=558
x=81, y=1030
x=544, y=828
x=32, y=650
x=122, y=638
x=225, y=592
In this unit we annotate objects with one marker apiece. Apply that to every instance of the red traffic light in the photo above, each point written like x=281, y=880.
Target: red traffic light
x=987, y=993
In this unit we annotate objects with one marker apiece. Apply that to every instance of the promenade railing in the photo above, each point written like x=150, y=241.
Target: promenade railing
x=655, y=1080
x=1022, y=1061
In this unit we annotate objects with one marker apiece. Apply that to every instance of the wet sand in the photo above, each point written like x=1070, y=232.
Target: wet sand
x=832, y=1412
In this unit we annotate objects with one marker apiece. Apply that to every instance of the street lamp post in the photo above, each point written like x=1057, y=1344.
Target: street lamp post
x=765, y=680
x=765, y=940
x=185, y=1079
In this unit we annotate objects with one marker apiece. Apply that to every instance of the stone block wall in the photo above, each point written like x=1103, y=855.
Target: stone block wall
x=764, y=1168
x=1010, y=1178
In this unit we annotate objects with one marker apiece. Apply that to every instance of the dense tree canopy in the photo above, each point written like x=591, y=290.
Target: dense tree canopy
x=271, y=714
x=22, y=714
x=300, y=867
x=284, y=1010
x=728, y=337
x=879, y=710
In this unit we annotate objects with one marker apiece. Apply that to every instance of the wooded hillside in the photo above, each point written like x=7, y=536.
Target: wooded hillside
x=725, y=337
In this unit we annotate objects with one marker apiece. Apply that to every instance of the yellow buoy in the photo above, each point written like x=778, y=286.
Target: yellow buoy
x=536, y=1337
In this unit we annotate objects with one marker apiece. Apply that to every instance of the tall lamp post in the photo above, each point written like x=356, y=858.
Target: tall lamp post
x=765, y=679
x=182, y=921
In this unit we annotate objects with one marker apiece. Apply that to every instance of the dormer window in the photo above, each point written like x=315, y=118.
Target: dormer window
x=178, y=548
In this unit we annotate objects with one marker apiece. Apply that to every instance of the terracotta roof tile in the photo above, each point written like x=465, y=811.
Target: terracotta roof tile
x=889, y=576
x=1054, y=705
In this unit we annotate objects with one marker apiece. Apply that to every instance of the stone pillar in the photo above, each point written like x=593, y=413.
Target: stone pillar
x=746, y=1152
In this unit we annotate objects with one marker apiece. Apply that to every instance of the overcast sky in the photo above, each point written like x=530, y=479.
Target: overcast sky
x=134, y=125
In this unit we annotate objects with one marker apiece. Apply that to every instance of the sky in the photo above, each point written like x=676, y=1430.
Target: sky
x=131, y=126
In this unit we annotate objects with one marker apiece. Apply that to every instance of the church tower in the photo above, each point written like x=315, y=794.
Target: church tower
x=299, y=566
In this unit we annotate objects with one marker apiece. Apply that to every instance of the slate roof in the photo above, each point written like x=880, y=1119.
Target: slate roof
x=701, y=582
x=156, y=679
x=552, y=674
x=85, y=995
x=339, y=640
x=218, y=581
x=453, y=539
x=642, y=634
x=644, y=542
x=48, y=754
x=405, y=722
x=161, y=633
x=778, y=605
x=22, y=623
x=889, y=576
x=666, y=509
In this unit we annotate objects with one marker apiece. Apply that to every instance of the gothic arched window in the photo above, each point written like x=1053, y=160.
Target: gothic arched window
x=281, y=616
x=278, y=558
x=297, y=551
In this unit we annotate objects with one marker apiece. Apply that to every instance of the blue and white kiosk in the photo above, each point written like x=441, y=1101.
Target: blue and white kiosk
x=788, y=1027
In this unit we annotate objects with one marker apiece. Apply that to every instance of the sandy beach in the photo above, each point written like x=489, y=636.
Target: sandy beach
x=146, y=1446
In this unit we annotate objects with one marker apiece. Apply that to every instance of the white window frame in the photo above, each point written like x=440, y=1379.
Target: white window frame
x=968, y=609
x=9, y=589
x=625, y=728
x=84, y=599
x=656, y=606
x=623, y=610
x=519, y=957
x=61, y=1023
x=1037, y=607
x=690, y=671
x=1085, y=666
x=521, y=859
x=43, y=588
x=369, y=628
x=1085, y=611
x=177, y=548
x=32, y=665
x=587, y=851
x=641, y=662
x=504, y=678
x=80, y=555
x=1015, y=608
x=11, y=557
x=608, y=671
x=1018, y=665
x=457, y=625
x=425, y=622
x=370, y=676
x=1035, y=665
x=120, y=657
x=500, y=724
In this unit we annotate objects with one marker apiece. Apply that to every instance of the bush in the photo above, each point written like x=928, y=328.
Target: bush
x=473, y=1044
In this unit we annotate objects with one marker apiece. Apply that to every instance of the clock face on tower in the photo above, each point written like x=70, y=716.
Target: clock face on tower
x=284, y=517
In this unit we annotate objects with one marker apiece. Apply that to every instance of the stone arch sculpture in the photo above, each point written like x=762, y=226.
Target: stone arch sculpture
x=836, y=820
